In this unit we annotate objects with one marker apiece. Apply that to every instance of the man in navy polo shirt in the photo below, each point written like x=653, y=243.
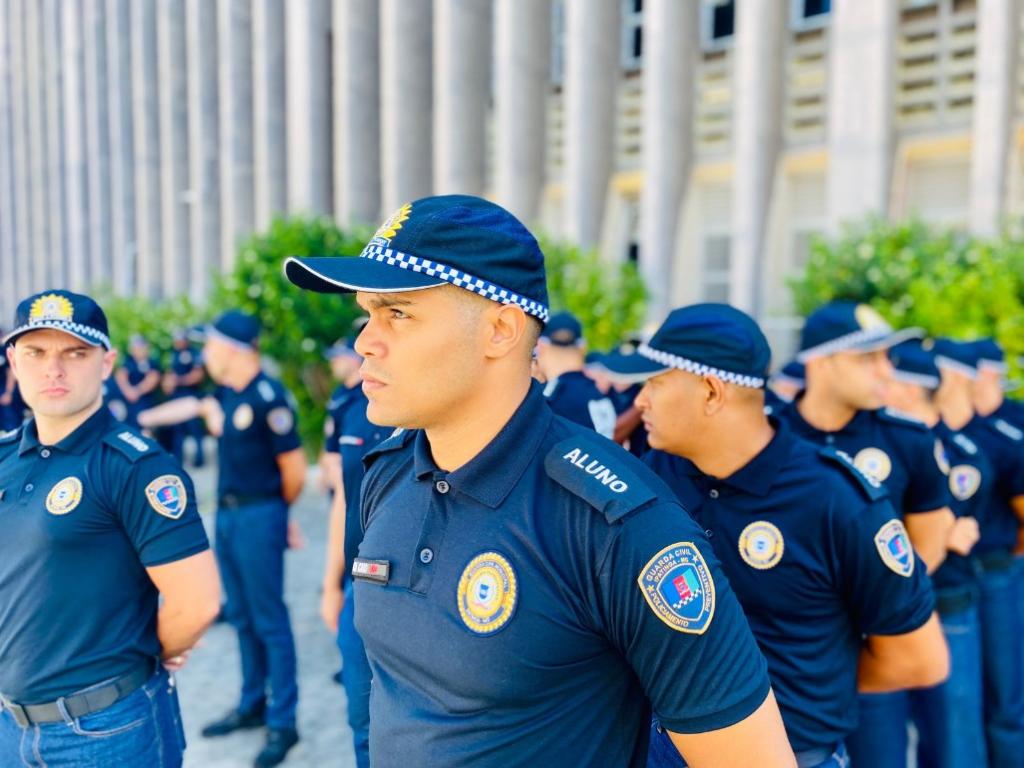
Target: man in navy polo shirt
x=98, y=524
x=526, y=589
x=784, y=386
x=139, y=377
x=819, y=559
x=949, y=717
x=350, y=437
x=570, y=392
x=262, y=468
x=184, y=379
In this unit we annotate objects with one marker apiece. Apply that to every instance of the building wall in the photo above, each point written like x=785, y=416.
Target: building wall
x=140, y=140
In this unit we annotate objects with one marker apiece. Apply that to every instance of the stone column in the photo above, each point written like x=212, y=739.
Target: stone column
x=122, y=183
x=356, y=112
x=995, y=91
x=76, y=200
x=235, y=71
x=860, y=106
x=592, y=48
x=462, y=49
x=8, y=220
x=268, y=110
x=97, y=133
x=522, y=70
x=757, y=128
x=671, y=43
x=406, y=104
x=146, y=145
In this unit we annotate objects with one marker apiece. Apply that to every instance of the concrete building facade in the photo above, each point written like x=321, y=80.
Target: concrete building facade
x=709, y=140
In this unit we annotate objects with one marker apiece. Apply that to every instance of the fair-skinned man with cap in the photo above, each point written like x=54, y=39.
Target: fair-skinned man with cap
x=486, y=512
x=106, y=572
x=184, y=379
x=1002, y=520
x=139, y=377
x=262, y=468
x=561, y=353
x=814, y=549
x=350, y=435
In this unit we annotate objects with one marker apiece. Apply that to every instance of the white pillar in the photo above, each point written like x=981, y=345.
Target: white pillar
x=406, y=106
x=671, y=40
x=122, y=182
x=268, y=106
x=8, y=221
x=235, y=54
x=757, y=118
x=462, y=48
x=173, y=86
x=860, y=106
x=522, y=69
x=56, y=249
x=146, y=143
x=356, y=112
x=592, y=49
x=995, y=91
x=308, y=95
x=76, y=201
x=97, y=133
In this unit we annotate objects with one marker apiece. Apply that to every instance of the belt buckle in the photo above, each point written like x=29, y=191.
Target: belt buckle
x=18, y=713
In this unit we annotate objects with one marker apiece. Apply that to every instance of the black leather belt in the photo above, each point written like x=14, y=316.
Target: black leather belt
x=80, y=704
x=236, y=500
x=954, y=601
x=992, y=562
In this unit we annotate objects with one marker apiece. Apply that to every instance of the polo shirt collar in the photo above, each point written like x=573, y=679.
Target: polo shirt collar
x=757, y=475
x=77, y=442
x=490, y=475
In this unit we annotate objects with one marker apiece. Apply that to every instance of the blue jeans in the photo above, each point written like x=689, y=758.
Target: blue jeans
x=662, y=753
x=142, y=729
x=950, y=717
x=1002, y=666
x=355, y=676
x=251, y=541
x=880, y=739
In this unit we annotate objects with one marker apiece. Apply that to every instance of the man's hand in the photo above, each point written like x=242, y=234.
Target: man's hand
x=332, y=600
x=296, y=539
x=964, y=536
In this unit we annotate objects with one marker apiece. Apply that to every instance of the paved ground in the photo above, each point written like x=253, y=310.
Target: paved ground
x=209, y=684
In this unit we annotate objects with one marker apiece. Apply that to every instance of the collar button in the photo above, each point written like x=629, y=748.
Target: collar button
x=442, y=486
x=713, y=493
x=45, y=453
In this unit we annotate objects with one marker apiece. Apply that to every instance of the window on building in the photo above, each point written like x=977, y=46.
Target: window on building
x=557, y=42
x=809, y=14
x=632, y=34
x=717, y=255
x=718, y=23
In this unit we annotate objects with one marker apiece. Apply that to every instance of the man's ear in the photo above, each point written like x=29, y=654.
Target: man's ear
x=506, y=329
x=715, y=394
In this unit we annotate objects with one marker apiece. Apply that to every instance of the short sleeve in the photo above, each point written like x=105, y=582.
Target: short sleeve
x=670, y=611
x=928, y=486
x=332, y=433
x=280, y=421
x=883, y=582
x=158, y=508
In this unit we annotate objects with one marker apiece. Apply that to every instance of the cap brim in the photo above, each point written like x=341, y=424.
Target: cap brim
x=630, y=369
x=348, y=274
x=889, y=340
x=43, y=326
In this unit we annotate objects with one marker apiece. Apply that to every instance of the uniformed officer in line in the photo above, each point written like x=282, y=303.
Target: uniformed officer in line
x=139, y=377
x=949, y=717
x=814, y=549
x=99, y=526
x=184, y=379
x=784, y=385
x=561, y=350
x=524, y=586
x=12, y=406
x=990, y=384
x=630, y=432
x=262, y=468
x=1002, y=520
x=351, y=435
x=843, y=347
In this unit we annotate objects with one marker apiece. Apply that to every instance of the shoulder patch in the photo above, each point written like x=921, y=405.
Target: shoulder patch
x=266, y=390
x=893, y=416
x=591, y=470
x=965, y=443
x=10, y=436
x=130, y=444
x=1008, y=429
x=871, y=487
x=398, y=439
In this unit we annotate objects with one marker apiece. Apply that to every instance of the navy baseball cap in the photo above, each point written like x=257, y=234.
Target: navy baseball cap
x=990, y=355
x=236, y=328
x=846, y=326
x=457, y=240
x=563, y=330
x=956, y=356
x=704, y=339
x=792, y=372
x=913, y=364
x=72, y=313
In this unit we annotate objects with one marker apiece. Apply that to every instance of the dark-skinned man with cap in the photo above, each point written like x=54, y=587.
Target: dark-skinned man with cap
x=105, y=569
x=261, y=470
x=949, y=717
x=814, y=549
x=525, y=588
x=844, y=348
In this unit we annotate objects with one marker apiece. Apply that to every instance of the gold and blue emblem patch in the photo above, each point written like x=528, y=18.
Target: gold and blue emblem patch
x=894, y=547
x=874, y=462
x=488, y=593
x=387, y=231
x=964, y=481
x=280, y=420
x=868, y=317
x=242, y=417
x=761, y=545
x=167, y=495
x=51, y=306
x=677, y=585
x=64, y=496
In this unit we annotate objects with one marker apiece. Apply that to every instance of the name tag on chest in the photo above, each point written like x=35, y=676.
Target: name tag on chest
x=375, y=571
